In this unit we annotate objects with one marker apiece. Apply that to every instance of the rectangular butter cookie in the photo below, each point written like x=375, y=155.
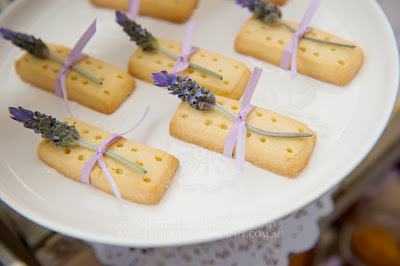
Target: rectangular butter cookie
x=209, y=129
x=105, y=98
x=235, y=74
x=329, y=63
x=141, y=188
x=173, y=10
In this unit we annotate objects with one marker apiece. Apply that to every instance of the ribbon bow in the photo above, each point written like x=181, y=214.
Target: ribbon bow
x=98, y=157
x=237, y=134
x=74, y=56
x=290, y=53
x=133, y=9
x=183, y=61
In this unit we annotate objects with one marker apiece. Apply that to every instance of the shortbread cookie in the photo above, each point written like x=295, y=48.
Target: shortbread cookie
x=329, y=63
x=141, y=188
x=172, y=10
x=235, y=74
x=105, y=98
x=209, y=129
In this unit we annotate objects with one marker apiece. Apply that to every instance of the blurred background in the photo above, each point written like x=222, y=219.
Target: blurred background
x=363, y=229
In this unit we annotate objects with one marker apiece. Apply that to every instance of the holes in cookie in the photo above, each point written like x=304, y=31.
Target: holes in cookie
x=327, y=38
x=59, y=51
x=333, y=49
x=313, y=33
x=237, y=67
x=146, y=179
x=281, y=42
x=219, y=70
x=139, y=163
x=220, y=102
x=341, y=62
x=47, y=141
x=119, y=145
x=107, y=92
x=184, y=116
x=202, y=55
x=45, y=67
x=73, y=77
x=158, y=159
x=88, y=62
x=223, y=126
x=203, y=75
x=85, y=82
x=215, y=59
x=85, y=131
x=139, y=57
x=102, y=79
x=268, y=38
x=97, y=137
x=134, y=149
x=248, y=134
x=301, y=130
x=226, y=82
x=248, y=31
x=26, y=59
x=289, y=150
x=191, y=71
x=263, y=140
x=259, y=114
x=208, y=122
x=171, y=46
x=159, y=62
x=170, y=65
x=81, y=157
x=118, y=171
x=274, y=120
x=55, y=70
x=234, y=107
x=120, y=76
x=67, y=151
x=316, y=54
x=302, y=48
x=100, y=67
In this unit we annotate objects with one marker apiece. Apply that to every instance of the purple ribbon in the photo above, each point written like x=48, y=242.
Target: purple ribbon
x=133, y=9
x=238, y=132
x=290, y=53
x=74, y=56
x=98, y=157
x=183, y=61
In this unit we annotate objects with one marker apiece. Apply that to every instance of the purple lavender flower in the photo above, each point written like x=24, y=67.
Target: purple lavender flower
x=163, y=79
x=27, y=42
x=20, y=114
x=50, y=128
x=7, y=34
x=265, y=11
x=141, y=36
x=187, y=90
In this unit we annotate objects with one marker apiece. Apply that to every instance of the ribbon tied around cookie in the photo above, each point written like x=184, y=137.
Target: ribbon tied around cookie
x=238, y=132
x=98, y=157
x=187, y=50
x=74, y=56
x=133, y=9
x=290, y=53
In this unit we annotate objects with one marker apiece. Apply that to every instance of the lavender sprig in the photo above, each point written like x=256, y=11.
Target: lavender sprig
x=264, y=11
x=147, y=42
x=39, y=49
x=204, y=100
x=60, y=133
x=271, y=15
